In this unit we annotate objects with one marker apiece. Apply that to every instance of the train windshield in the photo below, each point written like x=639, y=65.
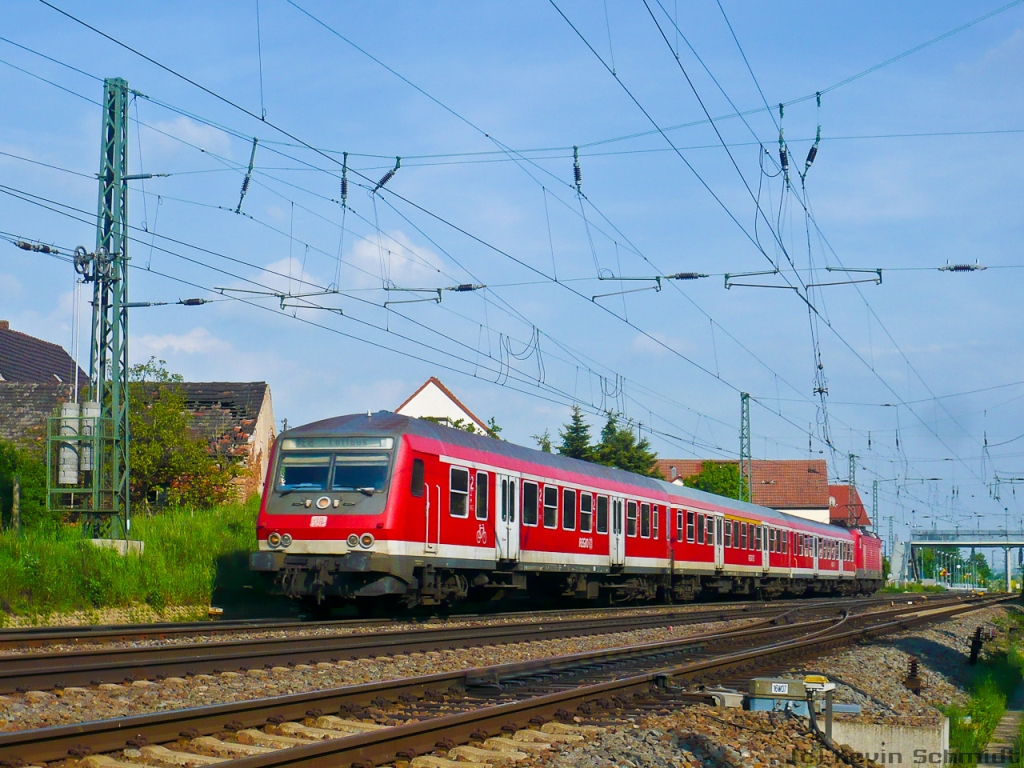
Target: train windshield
x=303, y=471
x=339, y=464
x=360, y=472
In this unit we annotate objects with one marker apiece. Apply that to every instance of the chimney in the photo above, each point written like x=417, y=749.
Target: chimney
x=5, y=325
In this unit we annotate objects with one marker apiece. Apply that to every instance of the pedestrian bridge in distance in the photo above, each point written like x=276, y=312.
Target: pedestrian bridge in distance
x=925, y=537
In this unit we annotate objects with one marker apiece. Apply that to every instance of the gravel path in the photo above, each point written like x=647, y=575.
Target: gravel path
x=36, y=709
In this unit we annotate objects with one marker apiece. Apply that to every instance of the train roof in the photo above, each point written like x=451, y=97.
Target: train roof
x=385, y=423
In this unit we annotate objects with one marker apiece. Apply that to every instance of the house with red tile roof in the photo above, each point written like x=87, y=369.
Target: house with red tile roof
x=846, y=508
x=795, y=486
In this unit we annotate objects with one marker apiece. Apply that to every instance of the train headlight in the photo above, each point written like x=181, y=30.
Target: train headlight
x=323, y=502
x=366, y=540
x=274, y=540
x=286, y=540
x=353, y=541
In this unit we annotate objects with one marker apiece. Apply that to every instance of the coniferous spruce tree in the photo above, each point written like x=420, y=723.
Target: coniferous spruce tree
x=576, y=437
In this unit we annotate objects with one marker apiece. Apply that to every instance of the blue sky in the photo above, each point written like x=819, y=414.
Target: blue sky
x=505, y=80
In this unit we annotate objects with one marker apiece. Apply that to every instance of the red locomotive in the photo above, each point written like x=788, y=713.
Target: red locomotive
x=382, y=507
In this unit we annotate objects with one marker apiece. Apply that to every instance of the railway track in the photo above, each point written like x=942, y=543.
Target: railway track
x=40, y=637
x=43, y=671
x=77, y=668
x=371, y=724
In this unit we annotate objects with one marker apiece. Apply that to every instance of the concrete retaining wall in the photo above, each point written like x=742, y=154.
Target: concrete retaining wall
x=895, y=744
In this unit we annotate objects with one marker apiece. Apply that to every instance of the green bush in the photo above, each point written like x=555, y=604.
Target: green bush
x=43, y=571
x=25, y=462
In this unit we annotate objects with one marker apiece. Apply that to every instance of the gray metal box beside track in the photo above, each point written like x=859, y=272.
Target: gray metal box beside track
x=778, y=688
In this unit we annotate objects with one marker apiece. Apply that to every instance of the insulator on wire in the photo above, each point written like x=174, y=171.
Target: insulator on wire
x=784, y=159
x=961, y=267
x=248, y=176
x=576, y=172
x=389, y=175
x=344, y=179
x=813, y=153
x=37, y=248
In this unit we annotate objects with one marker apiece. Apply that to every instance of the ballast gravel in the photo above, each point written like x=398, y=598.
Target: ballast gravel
x=355, y=627
x=696, y=737
x=872, y=675
x=36, y=709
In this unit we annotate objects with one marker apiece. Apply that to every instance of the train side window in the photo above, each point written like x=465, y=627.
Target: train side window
x=785, y=542
x=771, y=540
x=568, y=509
x=417, y=486
x=631, y=518
x=710, y=522
x=690, y=515
x=655, y=520
x=645, y=521
x=458, y=497
x=743, y=536
x=529, y=504
x=756, y=536
x=482, y=489
x=728, y=533
x=586, y=512
x=680, y=525
x=550, y=506
x=700, y=529
x=602, y=514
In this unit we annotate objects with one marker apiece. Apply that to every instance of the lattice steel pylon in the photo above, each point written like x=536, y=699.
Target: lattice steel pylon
x=746, y=483
x=851, y=506
x=88, y=448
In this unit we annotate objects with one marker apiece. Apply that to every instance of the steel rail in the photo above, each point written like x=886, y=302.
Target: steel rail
x=35, y=671
x=405, y=741
x=25, y=637
x=59, y=669
x=55, y=743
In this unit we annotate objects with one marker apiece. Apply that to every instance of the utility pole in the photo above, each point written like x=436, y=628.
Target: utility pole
x=851, y=511
x=746, y=483
x=874, y=504
x=91, y=444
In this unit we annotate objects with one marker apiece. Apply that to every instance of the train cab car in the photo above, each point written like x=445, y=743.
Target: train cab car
x=378, y=508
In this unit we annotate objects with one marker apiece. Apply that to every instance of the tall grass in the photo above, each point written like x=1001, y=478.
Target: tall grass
x=996, y=678
x=45, y=572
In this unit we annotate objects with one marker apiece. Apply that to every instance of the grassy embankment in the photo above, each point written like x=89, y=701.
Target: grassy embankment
x=188, y=556
x=995, y=678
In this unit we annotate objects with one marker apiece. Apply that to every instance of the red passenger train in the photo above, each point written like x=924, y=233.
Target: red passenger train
x=381, y=507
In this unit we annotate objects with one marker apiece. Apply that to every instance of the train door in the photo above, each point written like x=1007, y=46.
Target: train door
x=765, y=562
x=817, y=547
x=506, y=523
x=433, y=522
x=719, y=544
x=616, y=539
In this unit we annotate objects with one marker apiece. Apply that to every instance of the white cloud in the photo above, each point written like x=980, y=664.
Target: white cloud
x=397, y=259
x=198, y=341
